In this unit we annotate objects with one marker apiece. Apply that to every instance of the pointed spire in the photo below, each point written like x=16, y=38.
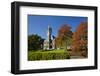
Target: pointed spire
x=48, y=26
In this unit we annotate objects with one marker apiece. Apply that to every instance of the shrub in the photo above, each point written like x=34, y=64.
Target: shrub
x=84, y=53
x=32, y=56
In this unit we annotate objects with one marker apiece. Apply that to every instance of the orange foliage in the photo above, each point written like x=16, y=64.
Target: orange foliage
x=79, y=39
x=64, y=31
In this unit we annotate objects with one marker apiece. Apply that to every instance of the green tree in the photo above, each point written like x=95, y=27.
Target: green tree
x=35, y=42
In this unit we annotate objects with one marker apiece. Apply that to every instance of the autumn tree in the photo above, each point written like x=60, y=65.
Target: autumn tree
x=64, y=36
x=79, y=39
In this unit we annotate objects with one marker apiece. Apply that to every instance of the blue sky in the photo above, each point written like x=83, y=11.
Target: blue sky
x=38, y=24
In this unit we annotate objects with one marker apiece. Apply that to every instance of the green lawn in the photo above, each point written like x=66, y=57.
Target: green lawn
x=47, y=55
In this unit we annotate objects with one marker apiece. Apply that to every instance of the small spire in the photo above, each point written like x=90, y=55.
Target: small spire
x=48, y=26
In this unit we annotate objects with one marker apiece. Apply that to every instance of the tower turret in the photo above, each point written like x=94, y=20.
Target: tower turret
x=49, y=33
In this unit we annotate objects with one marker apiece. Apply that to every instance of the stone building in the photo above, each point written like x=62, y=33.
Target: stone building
x=49, y=43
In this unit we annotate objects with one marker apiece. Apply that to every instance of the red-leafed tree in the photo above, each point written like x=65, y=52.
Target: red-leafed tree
x=64, y=36
x=79, y=39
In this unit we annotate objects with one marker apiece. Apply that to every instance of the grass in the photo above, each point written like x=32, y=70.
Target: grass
x=47, y=55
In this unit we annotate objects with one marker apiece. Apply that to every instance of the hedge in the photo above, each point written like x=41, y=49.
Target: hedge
x=32, y=56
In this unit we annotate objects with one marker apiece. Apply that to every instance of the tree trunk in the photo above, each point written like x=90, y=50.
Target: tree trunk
x=66, y=47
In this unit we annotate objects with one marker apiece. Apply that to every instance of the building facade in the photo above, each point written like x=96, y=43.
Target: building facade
x=49, y=43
